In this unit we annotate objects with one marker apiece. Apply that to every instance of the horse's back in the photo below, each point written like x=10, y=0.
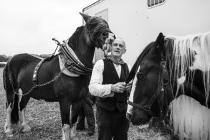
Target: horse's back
x=21, y=65
x=22, y=60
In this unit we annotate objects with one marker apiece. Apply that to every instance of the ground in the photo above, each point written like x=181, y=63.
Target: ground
x=44, y=119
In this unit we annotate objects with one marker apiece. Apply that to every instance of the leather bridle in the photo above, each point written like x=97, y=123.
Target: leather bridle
x=161, y=90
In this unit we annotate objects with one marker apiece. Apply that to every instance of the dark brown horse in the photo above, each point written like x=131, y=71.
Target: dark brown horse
x=50, y=83
x=167, y=68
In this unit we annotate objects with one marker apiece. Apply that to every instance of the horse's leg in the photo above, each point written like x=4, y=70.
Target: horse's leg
x=10, y=97
x=23, y=102
x=65, y=110
x=8, y=125
x=12, y=116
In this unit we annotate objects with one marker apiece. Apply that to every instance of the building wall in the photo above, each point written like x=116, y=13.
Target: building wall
x=139, y=25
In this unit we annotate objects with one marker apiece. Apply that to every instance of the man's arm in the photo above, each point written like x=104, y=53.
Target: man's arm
x=96, y=87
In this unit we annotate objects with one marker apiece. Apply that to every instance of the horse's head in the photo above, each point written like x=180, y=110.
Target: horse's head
x=97, y=30
x=86, y=38
x=150, y=79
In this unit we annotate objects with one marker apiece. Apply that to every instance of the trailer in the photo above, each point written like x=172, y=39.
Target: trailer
x=139, y=22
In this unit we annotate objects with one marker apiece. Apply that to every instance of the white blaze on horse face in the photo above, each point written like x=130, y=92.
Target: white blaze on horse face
x=129, y=110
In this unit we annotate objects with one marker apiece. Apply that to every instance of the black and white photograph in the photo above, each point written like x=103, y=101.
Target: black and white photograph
x=104, y=70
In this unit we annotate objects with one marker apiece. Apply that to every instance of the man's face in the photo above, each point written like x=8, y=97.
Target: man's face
x=118, y=47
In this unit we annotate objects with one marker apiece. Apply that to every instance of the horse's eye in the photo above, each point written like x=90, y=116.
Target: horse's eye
x=140, y=75
x=105, y=34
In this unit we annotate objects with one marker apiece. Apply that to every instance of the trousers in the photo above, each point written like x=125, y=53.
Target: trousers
x=112, y=125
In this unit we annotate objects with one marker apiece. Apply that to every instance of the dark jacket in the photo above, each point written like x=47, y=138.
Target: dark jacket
x=110, y=76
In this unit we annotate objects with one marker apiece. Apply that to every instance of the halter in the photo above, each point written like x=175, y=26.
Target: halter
x=161, y=90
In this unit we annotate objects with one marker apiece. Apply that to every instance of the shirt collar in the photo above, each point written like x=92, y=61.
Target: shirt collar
x=117, y=62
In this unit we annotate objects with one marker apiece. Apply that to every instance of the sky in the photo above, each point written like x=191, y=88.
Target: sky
x=27, y=26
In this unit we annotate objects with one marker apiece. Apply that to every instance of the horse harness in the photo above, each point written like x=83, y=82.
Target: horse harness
x=163, y=76
x=72, y=63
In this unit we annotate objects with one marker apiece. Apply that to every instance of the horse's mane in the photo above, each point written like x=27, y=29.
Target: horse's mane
x=72, y=41
x=102, y=25
x=137, y=63
x=192, y=52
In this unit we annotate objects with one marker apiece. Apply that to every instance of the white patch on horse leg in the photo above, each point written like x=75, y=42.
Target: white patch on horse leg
x=20, y=95
x=66, y=134
x=69, y=131
x=73, y=131
x=23, y=124
x=8, y=125
x=130, y=108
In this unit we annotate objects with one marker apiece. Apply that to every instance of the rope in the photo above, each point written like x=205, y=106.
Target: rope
x=44, y=84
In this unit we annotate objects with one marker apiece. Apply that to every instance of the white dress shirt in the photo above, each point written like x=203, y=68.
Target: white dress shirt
x=96, y=87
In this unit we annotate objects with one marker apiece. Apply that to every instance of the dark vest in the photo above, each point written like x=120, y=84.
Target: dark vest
x=110, y=76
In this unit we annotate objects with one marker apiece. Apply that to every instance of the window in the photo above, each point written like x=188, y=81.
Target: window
x=151, y=3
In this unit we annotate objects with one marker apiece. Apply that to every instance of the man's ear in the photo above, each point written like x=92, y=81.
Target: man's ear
x=85, y=17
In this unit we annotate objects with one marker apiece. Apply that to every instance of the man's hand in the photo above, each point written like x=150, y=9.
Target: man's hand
x=128, y=86
x=119, y=87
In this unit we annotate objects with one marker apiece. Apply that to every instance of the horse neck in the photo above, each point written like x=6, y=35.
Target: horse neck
x=81, y=46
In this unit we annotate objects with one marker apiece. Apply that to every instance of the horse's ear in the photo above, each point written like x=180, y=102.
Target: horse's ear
x=85, y=17
x=160, y=40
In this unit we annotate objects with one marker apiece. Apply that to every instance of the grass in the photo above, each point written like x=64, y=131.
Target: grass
x=44, y=119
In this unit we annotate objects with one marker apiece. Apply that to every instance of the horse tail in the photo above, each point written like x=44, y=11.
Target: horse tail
x=11, y=97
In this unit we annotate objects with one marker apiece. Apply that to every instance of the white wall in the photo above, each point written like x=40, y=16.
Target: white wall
x=139, y=25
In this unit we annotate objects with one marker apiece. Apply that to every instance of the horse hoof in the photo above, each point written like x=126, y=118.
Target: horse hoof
x=25, y=128
x=73, y=132
x=9, y=132
x=66, y=132
x=9, y=135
